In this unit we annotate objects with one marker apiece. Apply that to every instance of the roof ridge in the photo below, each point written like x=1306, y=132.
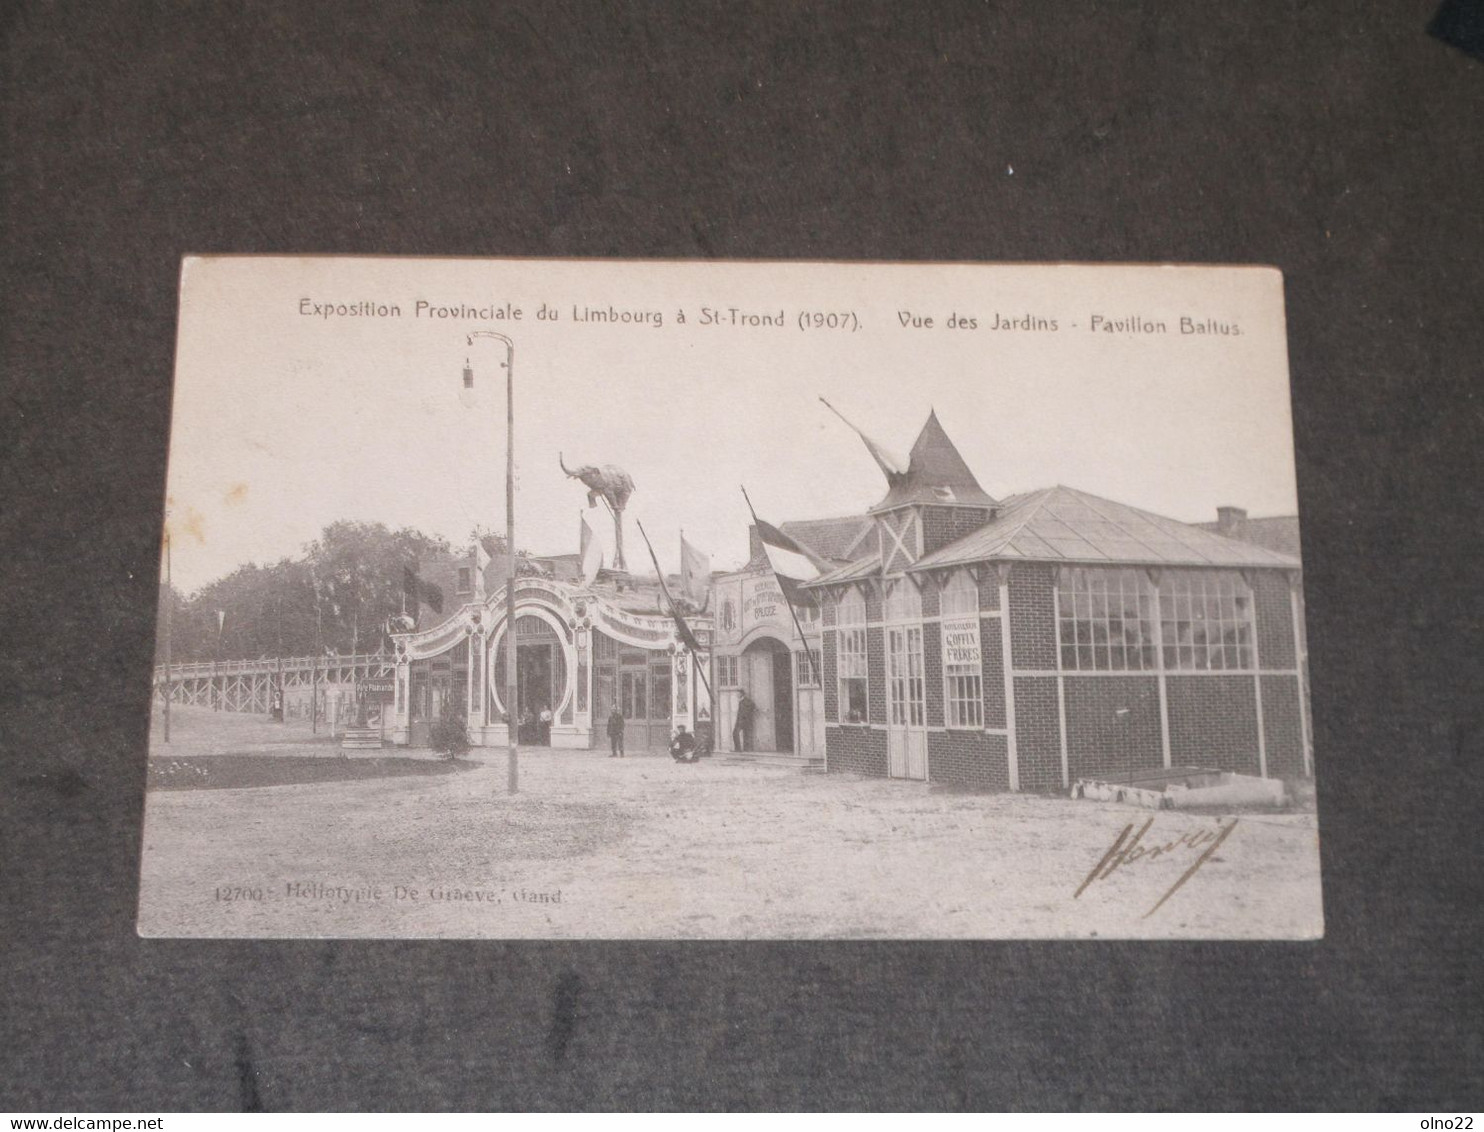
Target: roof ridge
x=1157, y=518
x=1026, y=503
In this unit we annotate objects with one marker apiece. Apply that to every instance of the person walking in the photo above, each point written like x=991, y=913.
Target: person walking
x=742, y=729
x=615, y=733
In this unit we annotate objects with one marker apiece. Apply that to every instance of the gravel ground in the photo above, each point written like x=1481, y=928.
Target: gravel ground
x=643, y=847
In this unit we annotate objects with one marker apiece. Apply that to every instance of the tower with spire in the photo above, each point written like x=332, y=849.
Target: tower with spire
x=935, y=501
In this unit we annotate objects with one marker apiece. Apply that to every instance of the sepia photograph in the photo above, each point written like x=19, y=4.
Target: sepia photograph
x=593, y=599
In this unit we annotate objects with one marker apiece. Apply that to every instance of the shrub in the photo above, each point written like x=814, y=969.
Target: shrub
x=449, y=735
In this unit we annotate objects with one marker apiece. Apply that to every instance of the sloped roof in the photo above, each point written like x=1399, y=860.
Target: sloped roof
x=867, y=567
x=936, y=473
x=1278, y=532
x=836, y=539
x=1062, y=524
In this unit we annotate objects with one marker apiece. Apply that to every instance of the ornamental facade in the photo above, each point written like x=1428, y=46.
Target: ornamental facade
x=580, y=651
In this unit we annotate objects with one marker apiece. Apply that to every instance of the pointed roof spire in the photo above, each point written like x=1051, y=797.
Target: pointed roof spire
x=936, y=473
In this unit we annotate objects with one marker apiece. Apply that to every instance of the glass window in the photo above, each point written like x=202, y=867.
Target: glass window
x=1205, y=620
x=963, y=681
x=659, y=692
x=903, y=601
x=808, y=671
x=960, y=596
x=632, y=693
x=851, y=648
x=905, y=675
x=726, y=671
x=1107, y=620
x=465, y=582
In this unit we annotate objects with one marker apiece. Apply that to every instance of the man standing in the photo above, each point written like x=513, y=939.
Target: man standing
x=615, y=732
x=742, y=729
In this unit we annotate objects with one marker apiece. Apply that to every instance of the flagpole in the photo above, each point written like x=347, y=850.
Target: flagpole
x=169, y=618
x=664, y=589
x=512, y=765
x=808, y=653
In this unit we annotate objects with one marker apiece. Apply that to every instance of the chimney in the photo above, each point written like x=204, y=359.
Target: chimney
x=1228, y=519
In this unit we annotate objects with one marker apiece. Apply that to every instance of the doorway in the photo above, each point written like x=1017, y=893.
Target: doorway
x=906, y=733
x=767, y=676
x=533, y=692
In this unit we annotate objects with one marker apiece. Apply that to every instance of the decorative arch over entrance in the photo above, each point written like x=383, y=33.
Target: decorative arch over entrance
x=560, y=664
x=766, y=673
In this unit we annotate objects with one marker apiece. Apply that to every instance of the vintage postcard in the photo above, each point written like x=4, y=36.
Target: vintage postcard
x=730, y=600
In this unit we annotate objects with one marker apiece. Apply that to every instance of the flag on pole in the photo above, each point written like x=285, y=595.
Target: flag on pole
x=682, y=630
x=591, y=551
x=792, y=563
x=894, y=468
x=695, y=573
x=421, y=592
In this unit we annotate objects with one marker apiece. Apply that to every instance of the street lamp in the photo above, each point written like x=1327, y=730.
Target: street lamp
x=512, y=759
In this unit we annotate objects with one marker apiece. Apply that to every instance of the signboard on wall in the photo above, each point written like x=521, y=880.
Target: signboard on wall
x=763, y=604
x=961, y=640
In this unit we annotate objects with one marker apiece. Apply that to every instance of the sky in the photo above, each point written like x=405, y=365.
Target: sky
x=286, y=419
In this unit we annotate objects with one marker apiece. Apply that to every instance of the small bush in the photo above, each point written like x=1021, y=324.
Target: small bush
x=449, y=735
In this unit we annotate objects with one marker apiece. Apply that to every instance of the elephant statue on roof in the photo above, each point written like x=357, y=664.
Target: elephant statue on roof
x=608, y=482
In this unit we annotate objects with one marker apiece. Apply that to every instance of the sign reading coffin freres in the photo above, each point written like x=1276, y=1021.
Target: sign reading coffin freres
x=961, y=640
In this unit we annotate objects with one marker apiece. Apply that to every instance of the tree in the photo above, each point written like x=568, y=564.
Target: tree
x=356, y=570
x=336, y=597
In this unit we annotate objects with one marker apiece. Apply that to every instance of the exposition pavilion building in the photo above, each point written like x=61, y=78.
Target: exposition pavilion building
x=1021, y=644
x=580, y=650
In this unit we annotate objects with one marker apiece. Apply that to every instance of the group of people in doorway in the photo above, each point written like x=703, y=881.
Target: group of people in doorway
x=685, y=747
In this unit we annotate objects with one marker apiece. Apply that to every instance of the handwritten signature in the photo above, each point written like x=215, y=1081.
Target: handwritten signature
x=1129, y=847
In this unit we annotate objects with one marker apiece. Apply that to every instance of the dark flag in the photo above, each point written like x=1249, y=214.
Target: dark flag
x=681, y=628
x=792, y=564
x=421, y=592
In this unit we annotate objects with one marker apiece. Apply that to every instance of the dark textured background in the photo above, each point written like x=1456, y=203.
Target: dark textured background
x=1340, y=142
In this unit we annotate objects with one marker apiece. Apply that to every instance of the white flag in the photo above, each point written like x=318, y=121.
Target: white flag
x=695, y=573
x=481, y=563
x=592, y=553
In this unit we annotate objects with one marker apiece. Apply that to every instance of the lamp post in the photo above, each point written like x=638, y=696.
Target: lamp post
x=513, y=756
x=169, y=602
x=216, y=662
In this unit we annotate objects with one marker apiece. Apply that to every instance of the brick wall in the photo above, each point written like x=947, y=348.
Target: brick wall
x=1213, y=722
x=1100, y=741
x=1036, y=732
x=992, y=662
x=857, y=750
x=1274, y=620
x=1282, y=726
x=444, y=573
x=873, y=604
x=989, y=589
x=1032, y=624
x=931, y=603
x=827, y=605
x=932, y=672
x=970, y=759
x=876, y=675
x=829, y=661
x=942, y=525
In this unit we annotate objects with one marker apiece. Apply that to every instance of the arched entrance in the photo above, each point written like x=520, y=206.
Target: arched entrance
x=766, y=674
x=540, y=678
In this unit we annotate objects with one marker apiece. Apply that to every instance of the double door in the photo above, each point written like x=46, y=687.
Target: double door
x=906, y=733
x=640, y=687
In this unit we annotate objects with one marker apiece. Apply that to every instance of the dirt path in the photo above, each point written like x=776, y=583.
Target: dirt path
x=645, y=848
